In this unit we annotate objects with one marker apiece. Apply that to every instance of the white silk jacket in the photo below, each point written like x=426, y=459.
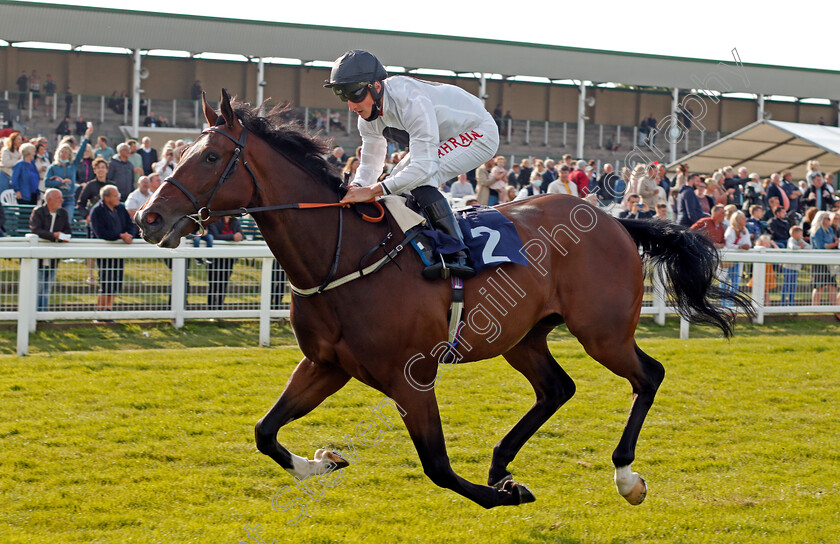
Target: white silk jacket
x=432, y=114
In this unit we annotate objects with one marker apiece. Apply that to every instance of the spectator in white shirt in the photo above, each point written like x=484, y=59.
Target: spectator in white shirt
x=562, y=185
x=139, y=196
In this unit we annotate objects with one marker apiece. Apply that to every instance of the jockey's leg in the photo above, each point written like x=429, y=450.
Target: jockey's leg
x=437, y=208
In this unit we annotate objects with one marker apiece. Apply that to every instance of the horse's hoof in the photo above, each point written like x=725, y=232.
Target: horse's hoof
x=525, y=494
x=521, y=492
x=334, y=457
x=638, y=493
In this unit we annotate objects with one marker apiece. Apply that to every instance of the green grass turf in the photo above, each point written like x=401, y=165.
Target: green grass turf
x=151, y=440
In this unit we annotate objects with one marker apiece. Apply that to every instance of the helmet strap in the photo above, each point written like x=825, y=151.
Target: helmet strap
x=376, y=110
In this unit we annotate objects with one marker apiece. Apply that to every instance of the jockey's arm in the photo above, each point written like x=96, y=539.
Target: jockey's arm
x=421, y=123
x=374, y=147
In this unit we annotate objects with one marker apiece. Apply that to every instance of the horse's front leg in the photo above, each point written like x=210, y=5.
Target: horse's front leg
x=422, y=420
x=308, y=386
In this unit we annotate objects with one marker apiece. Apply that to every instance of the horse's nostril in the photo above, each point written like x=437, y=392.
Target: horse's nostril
x=151, y=218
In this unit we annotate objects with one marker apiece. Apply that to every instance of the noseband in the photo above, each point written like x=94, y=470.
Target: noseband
x=203, y=213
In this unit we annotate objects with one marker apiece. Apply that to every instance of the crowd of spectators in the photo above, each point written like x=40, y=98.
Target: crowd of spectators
x=101, y=186
x=735, y=209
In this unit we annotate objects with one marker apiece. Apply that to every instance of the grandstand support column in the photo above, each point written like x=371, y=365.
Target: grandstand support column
x=260, y=83
x=482, y=88
x=135, y=99
x=581, y=118
x=759, y=114
x=674, y=129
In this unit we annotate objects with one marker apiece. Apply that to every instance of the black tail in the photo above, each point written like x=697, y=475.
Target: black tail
x=690, y=262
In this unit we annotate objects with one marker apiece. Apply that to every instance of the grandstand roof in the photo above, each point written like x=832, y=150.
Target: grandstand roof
x=769, y=146
x=22, y=21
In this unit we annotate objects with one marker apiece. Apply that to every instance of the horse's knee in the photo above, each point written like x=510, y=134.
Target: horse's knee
x=557, y=392
x=264, y=437
x=440, y=473
x=652, y=372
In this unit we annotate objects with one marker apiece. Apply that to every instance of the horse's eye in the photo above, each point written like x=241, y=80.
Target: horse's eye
x=212, y=157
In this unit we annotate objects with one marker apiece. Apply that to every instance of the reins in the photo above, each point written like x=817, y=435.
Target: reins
x=204, y=213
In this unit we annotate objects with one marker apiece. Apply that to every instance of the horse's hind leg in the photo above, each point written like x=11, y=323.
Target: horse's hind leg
x=422, y=420
x=308, y=386
x=553, y=387
x=644, y=374
x=645, y=383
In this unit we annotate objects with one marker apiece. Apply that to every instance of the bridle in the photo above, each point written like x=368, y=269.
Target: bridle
x=204, y=213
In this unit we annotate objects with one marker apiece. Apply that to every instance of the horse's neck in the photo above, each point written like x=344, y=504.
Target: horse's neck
x=304, y=241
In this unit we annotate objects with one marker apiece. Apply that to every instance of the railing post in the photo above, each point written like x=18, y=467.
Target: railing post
x=306, y=118
x=600, y=136
x=27, y=297
x=102, y=109
x=759, y=270
x=528, y=132
x=635, y=136
x=78, y=106
x=328, y=120
x=617, y=134
x=658, y=299
x=683, y=328
x=564, y=134
x=702, y=138
x=30, y=105
x=174, y=112
x=545, y=137
x=265, y=302
x=125, y=110
x=509, y=130
x=197, y=119
x=179, y=290
x=55, y=106
x=349, y=121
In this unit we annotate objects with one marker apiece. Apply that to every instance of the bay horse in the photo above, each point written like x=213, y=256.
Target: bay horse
x=388, y=329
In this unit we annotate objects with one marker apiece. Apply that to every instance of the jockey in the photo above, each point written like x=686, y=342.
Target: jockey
x=449, y=133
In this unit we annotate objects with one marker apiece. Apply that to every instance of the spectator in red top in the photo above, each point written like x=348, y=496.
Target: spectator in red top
x=580, y=179
x=713, y=227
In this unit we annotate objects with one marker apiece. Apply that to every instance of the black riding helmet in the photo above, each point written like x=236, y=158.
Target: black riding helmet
x=353, y=75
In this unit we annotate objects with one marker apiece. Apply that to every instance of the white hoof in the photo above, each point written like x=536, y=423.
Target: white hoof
x=322, y=455
x=630, y=485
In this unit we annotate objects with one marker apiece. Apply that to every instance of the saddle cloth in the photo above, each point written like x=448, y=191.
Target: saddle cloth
x=490, y=237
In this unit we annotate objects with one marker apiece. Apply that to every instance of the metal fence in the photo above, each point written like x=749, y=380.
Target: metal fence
x=43, y=281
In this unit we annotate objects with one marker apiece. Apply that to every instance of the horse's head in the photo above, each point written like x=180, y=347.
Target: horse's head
x=213, y=171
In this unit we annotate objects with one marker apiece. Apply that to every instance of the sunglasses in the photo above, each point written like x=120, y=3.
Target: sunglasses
x=353, y=92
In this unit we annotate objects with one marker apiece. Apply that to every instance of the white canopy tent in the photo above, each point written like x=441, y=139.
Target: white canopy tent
x=769, y=146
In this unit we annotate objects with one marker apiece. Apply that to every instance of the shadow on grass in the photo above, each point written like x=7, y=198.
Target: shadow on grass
x=83, y=336
x=793, y=326
x=70, y=336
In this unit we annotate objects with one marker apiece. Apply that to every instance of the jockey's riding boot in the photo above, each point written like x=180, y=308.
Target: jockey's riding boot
x=456, y=264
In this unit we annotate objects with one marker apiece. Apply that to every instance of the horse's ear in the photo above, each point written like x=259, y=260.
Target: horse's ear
x=209, y=113
x=227, y=110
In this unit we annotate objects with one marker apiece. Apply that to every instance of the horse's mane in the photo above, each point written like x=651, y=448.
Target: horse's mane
x=289, y=139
